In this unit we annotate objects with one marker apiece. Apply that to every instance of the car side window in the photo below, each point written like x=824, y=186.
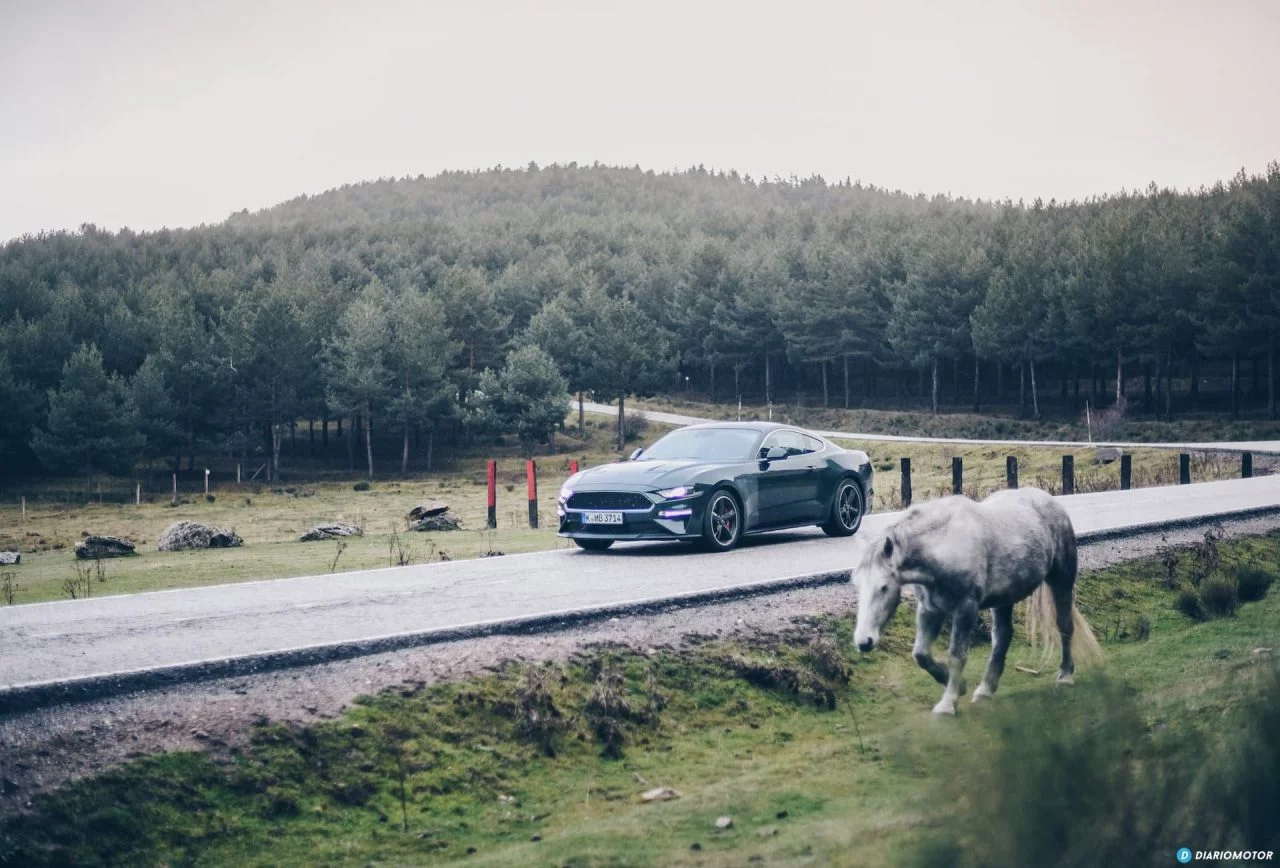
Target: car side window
x=792, y=441
x=813, y=444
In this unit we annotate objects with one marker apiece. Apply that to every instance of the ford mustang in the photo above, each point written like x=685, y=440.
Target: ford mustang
x=715, y=483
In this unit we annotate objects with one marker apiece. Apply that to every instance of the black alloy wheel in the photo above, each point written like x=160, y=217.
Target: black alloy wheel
x=847, y=508
x=723, y=521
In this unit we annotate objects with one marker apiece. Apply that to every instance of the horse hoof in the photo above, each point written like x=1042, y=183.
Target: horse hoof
x=1066, y=678
x=946, y=708
x=982, y=693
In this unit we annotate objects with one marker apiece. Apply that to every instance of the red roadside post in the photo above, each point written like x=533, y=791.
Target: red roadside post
x=532, y=473
x=493, y=494
x=573, y=466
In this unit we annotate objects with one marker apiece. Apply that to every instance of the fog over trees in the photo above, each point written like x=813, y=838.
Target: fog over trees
x=440, y=309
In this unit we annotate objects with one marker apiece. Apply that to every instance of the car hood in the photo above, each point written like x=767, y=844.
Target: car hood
x=654, y=474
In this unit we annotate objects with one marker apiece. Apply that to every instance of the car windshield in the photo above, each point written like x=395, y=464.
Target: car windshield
x=705, y=444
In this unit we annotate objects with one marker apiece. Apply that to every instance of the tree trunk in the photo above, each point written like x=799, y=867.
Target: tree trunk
x=621, y=426
x=324, y=430
x=1075, y=388
x=368, y=436
x=713, y=382
x=768, y=384
x=1271, y=376
x=404, y=454
x=1022, y=388
x=1119, y=374
x=582, y=419
x=1255, y=387
x=977, y=383
x=737, y=381
x=1195, y=380
x=825, y=398
x=1147, y=404
x=311, y=437
x=1035, y=398
x=933, y=391
x=351, y=452
x=1235, y=384
x=846, y=382
x=339, y=432
x=1168, y=385
x=999, y=380
x=955, y=380
x=431, y=443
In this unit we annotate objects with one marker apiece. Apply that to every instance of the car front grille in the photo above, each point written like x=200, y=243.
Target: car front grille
x=609, y=500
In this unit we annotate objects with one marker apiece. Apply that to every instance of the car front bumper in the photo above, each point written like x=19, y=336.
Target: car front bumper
x=670, y=520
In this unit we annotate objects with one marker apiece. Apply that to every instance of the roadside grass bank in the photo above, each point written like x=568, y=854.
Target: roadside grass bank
x=271, y=517
x=951, y=423
x=817, y=754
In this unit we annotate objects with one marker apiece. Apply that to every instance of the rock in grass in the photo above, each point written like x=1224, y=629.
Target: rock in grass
x=8, y=559
x=724, y=822
x=93, y=548
x=426, y=508
x=184, y=535
x=330, y=531
x=1107, y=455
x=660, y=794
x=440, y=521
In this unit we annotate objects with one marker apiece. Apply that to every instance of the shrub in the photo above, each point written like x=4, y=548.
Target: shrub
x=1220, y=596
x=1253, y=583
x=633, y=425
x=1188, y=603
x=360, y=486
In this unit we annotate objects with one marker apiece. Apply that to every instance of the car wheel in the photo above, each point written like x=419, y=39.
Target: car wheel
x=594, y=545
x=847, y=508
x=722, y=521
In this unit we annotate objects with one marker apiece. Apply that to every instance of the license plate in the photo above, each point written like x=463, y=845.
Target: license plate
x=602, y=518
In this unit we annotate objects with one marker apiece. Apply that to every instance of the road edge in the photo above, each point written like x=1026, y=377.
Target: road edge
x=24, y=698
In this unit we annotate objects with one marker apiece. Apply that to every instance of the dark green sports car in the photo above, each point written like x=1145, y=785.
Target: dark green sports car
x=713, y=483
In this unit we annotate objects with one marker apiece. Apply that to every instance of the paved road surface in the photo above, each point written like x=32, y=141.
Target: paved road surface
x=1269, y=446
x=76, y=639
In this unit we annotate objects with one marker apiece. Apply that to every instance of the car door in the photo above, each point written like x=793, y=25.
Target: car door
x=787, y=486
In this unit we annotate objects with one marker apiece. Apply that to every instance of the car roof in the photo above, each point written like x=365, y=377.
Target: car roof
x=751, y=426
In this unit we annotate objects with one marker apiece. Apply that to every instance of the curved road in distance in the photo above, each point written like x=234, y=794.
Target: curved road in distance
x=76, y=648
x=1267, y=446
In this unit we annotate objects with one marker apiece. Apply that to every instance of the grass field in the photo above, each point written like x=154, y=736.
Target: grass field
x=270, y=518
x=819, y=755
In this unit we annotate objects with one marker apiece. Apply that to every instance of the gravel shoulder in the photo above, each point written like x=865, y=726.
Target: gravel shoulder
x=41, y=750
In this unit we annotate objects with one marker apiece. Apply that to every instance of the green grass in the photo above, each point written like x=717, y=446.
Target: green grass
x=723, y=723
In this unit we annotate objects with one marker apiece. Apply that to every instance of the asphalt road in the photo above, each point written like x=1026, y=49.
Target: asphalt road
x=183, y=630
x=1267, y=446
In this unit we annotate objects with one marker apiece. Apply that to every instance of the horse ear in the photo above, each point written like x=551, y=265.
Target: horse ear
x=888, y=546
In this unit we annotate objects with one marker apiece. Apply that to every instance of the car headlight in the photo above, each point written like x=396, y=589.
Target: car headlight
x=676, y=493
x=565, y=492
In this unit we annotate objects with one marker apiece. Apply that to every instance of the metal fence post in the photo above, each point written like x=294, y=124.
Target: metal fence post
x=1184, y=469
x=1011, y=471
x=957, y=475
x=1068, y=474
x=1246, y=465
x=1126, y=472
x=906, y=482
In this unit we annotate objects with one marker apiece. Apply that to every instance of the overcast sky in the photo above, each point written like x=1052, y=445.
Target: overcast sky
x=150, y=114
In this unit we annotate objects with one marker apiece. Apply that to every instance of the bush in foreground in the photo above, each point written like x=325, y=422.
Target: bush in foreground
x=1253, y=583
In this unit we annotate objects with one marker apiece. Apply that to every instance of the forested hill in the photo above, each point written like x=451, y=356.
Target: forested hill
x=388, y=300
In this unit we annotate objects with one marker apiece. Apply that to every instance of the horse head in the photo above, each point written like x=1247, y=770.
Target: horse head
x=879, y=589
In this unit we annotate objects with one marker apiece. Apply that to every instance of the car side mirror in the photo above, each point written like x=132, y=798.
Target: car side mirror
x=635, y=455
x=775, y=453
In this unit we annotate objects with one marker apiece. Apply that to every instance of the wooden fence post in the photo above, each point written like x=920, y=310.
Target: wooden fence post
x=957, y=475
x=1126, y=472
x=1246, y=465
x=1068, y=474
x=906, y=482
x=1011, y=471
x=1184, y=469
x=493, y=495
x=531, y=472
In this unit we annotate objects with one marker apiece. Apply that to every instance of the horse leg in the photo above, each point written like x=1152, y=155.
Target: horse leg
x=1002, y=630
x=962, y=621
x=928, y=624
x=1064, y=603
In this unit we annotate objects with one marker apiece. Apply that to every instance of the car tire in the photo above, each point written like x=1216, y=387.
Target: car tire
x=722, y=521
x=848, y=506
x=594, y=545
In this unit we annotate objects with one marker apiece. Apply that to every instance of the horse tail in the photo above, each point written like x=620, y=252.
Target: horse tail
x=1042, y=630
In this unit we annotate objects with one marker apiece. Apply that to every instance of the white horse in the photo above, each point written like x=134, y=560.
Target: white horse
x=963, y=556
